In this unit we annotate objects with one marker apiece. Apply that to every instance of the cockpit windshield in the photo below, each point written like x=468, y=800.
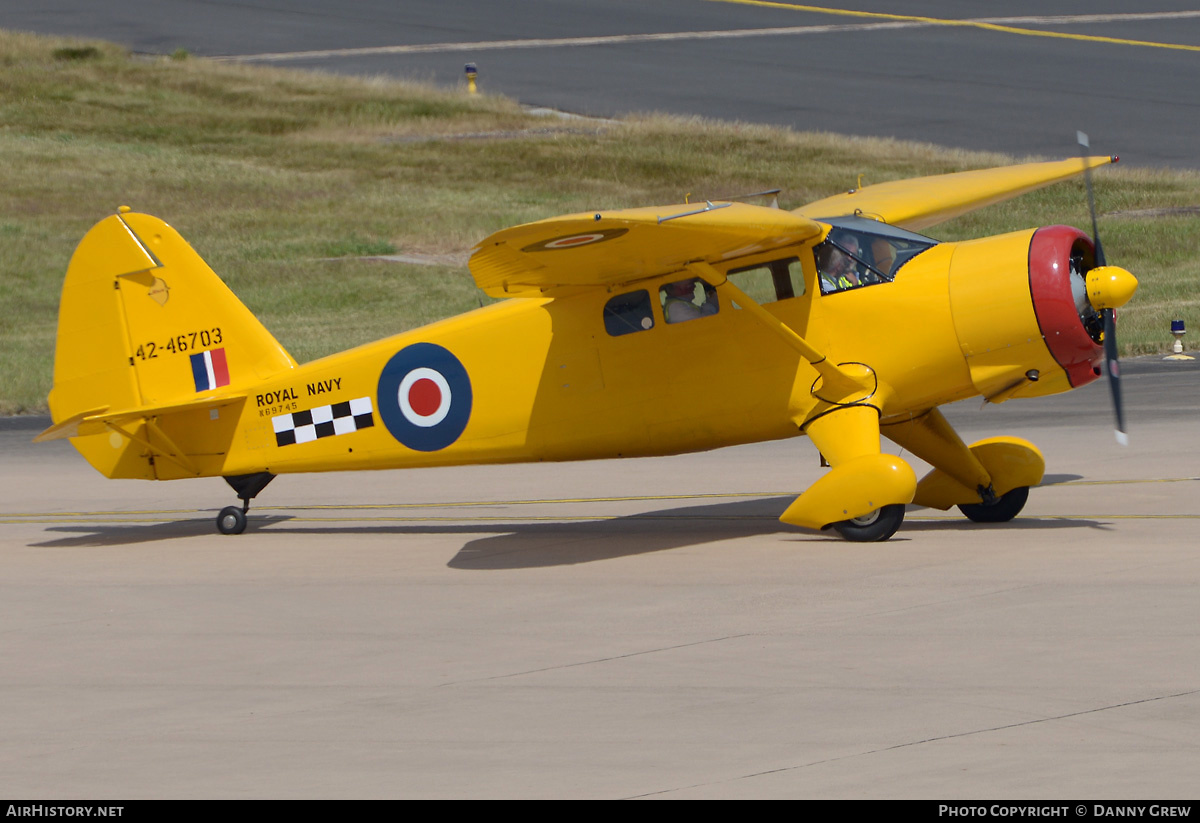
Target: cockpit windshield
x=862, y=252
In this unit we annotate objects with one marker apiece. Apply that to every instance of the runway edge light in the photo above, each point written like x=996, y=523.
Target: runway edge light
x=1178, y=330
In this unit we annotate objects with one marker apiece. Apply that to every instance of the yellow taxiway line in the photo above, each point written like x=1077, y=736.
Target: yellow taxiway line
x=156, y=515
x=878, y=21
x=993, y=24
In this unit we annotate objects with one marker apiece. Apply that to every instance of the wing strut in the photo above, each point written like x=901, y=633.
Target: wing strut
x=837, y=385
x=864, y=493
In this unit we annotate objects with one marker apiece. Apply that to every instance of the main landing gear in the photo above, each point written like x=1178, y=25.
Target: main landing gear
x=873, y=526
x=1000, y=510
x=969, y=473
x=232, y=519
x=882, y=523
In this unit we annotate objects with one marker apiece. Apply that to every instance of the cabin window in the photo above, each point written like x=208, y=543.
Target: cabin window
x=768, y=282
x=627, y=313
x=688, y=299
x=863, y=252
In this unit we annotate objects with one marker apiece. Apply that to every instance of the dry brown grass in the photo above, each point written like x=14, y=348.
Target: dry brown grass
x=268, y=172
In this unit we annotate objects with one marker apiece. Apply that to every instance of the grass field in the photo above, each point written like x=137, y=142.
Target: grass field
x=284, y=181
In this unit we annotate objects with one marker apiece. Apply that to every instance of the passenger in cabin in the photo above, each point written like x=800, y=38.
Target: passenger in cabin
x=679, y=302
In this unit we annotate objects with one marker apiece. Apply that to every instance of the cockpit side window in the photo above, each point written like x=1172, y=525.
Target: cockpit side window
x=768, y=282
x=861, y=252
x=840, y=264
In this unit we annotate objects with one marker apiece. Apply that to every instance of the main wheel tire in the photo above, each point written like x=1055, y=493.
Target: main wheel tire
x=1007, y=507
x=231, y=520
x=873, y=527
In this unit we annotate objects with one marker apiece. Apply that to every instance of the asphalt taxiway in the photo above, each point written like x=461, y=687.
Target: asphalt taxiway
x=1019, y=77
x=636, y=628
x=639, y=628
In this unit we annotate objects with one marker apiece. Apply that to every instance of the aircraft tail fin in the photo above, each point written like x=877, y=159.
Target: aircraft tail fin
x=144, y=323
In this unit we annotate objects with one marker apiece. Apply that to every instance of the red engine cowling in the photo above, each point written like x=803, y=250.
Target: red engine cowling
x=1059, y=259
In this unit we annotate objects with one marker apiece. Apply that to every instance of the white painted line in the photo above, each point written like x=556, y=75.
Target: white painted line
x=622, y=39
x=615, y=39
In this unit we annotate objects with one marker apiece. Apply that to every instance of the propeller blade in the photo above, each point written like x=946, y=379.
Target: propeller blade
x=1087, y=179
x=1111, y=361
x=1114, y=372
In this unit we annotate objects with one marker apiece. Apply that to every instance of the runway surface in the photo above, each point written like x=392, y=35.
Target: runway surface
x=639, y=628
x=1020, y=77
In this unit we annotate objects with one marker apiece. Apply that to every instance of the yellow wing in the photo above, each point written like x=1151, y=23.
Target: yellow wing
x=615, y=247
x=925, y=201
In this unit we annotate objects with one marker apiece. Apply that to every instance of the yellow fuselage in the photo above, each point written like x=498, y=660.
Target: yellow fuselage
x=547, y=382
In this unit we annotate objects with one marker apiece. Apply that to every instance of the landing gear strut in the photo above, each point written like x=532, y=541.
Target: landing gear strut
x=232, y=520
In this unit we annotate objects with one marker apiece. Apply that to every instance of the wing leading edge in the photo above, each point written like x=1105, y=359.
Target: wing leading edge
x=921, y=202
x=611, y=248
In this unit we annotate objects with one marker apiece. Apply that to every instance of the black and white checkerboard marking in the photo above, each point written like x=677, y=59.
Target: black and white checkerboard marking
x=323, y=421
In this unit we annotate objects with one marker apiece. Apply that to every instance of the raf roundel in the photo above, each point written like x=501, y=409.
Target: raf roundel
x=572, y=241
x=424, y=397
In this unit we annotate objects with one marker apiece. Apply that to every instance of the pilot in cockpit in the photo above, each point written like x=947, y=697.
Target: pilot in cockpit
x=838, y=268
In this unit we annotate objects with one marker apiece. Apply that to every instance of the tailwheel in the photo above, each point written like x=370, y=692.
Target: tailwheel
x=874, y=526
x=1003, y=509
x=231, y=520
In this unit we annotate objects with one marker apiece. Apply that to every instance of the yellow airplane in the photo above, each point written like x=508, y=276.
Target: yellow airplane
x=648, y=331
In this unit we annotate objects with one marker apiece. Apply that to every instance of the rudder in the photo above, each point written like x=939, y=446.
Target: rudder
x=144, y=322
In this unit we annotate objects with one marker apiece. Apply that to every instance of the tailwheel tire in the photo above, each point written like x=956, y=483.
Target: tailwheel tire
x=231, y=520
x=1005, y=508
x=873, y=526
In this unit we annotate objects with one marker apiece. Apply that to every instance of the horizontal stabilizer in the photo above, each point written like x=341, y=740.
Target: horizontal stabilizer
x=96, y=421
